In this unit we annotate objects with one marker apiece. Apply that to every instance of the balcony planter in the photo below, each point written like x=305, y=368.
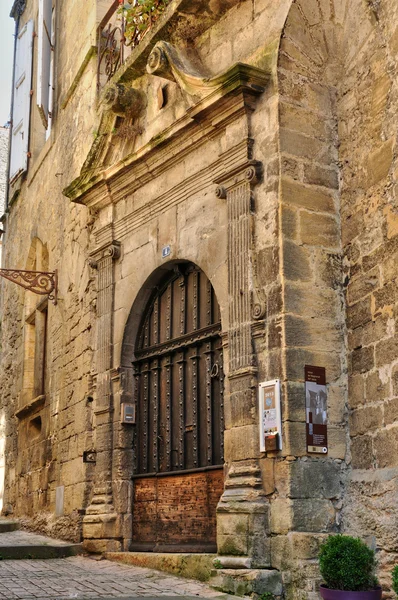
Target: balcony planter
x=329, y=594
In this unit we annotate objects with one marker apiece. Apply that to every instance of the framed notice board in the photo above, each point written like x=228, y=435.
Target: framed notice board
x=270, y=415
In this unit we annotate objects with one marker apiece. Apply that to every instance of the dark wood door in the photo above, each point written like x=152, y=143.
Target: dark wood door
x=178, y=450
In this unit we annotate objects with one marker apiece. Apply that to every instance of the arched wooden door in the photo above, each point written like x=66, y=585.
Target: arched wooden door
x=179, y=384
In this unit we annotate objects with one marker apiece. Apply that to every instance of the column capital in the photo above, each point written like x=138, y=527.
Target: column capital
x=250, y=172
x=109, y=250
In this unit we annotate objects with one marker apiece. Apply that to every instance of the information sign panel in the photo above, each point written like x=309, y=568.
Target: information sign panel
x=270, y=415
x=316, y=409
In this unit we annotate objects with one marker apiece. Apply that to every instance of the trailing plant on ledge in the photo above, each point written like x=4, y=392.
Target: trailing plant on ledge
x=138, y=16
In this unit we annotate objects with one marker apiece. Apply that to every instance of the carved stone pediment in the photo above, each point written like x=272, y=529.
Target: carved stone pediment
x=227, y=93
x=176, y=65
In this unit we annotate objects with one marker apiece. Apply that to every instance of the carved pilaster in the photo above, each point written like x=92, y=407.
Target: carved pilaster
x=99, y=524
x=243, y=303
x=243, y=496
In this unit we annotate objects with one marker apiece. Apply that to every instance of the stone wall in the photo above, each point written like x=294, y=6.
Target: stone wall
x=286, y=179
x=37, y=462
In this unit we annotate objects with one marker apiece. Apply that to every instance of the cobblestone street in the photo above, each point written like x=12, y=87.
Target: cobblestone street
x=82, y=577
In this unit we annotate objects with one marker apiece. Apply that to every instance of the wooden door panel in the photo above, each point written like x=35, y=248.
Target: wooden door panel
x=179, y=397
x=183, y=514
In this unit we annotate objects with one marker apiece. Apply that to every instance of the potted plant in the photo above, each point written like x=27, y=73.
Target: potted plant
x=348, y=566
x=395, y=579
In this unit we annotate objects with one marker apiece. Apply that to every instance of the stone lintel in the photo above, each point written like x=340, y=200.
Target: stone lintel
x=31, y=407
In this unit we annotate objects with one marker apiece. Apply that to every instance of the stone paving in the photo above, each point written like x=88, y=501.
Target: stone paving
x=82, y=577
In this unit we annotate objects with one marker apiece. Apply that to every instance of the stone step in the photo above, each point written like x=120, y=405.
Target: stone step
x=40, y=552
x=7, y=525
x=193, y=566
x=19, y=544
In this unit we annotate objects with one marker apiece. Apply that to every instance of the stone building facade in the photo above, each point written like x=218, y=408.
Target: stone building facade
x=221, y=213
x=4, y=131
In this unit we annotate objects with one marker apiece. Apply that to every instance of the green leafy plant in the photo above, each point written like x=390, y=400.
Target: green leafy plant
x=217, y=563
x=139, y=16
x=266, y=596
x=347, y=563
x=395, y=579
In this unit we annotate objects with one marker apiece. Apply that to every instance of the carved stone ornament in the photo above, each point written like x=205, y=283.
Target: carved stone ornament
x=112, y=250
x=259, y=306
x=123, y=100
x=176, y=65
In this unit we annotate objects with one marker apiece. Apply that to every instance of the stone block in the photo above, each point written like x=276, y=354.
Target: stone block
x=290, y=167
x=375, y=389
x=379, y=162
x=365, y=419
x=316, y=175
x=267, y=474
x=362, y=452
x=293, y=405
x=232, y=545
x=319, y=230
x=391, y=411
x=245, y=582
x=321, y=334
x=362, y=360
x=364, y=284
x=313, y=515
x=289, y=222
x=385, y=445
x=360, y=313
x=314, y=479
x=294, y=440
x=336, y=404
x=305, y=546
x=337, y=442
x=306, y=147
x=352, y=226
x=230, y=524
x=94, y=546
x=386, y=351
x=297, y=358
x=241, y=443
x=308, y=197
x=267, y=264
x=296, y=262
x=328, y=268
x=310, y=300
x=386, y=296
x=281, y=516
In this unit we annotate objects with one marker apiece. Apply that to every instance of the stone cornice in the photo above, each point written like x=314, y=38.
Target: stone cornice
x=234, y=96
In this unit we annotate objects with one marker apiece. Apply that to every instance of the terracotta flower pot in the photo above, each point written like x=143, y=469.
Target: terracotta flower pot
x=328, y=594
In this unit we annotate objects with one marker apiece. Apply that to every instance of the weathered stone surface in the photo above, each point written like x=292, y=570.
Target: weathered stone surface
x=362, y=452
x=365, y=419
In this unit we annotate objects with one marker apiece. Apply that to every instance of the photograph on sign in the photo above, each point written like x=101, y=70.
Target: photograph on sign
x=270, y=416
x=316, y=409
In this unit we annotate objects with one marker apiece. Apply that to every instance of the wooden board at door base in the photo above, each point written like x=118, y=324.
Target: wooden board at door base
x=176, y=513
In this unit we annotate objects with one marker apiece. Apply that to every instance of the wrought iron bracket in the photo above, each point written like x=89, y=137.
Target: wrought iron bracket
x=39, y=282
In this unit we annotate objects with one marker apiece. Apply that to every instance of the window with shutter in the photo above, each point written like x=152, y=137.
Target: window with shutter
x=21, y=106
x=44, y=61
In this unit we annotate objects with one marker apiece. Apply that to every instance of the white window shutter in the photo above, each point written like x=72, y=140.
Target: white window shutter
x=44, y=58
x=22, y=96
x=51, y=81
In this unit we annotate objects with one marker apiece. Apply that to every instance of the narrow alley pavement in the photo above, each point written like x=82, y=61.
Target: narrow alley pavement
x=82, y=577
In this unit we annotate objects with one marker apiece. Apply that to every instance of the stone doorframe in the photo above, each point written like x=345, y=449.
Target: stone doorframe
x=219, y=105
